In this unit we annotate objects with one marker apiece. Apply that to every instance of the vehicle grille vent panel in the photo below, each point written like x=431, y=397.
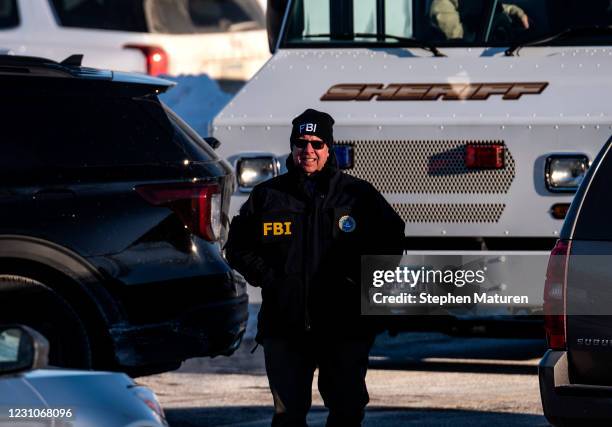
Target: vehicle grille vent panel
x=433, y=166
x=451, y=213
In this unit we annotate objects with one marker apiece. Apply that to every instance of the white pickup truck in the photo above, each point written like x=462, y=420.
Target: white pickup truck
x=478, y=139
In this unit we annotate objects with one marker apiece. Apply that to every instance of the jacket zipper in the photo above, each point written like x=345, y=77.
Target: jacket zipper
x=315, y=230
x=305, y=259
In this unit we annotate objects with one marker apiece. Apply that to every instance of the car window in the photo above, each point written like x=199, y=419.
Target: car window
x=203, y=16
x=55, y=132
x=593, y=221
x=9, y=346
x=9, y=15
x=191, y=137
x=118, y=15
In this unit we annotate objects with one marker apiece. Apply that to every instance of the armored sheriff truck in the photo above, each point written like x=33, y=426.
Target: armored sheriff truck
x=476, y=119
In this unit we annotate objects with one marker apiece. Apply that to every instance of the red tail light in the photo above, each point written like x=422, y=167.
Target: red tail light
x=157, y=58
x=198, y=205
x=554, y=295
x=484, y=156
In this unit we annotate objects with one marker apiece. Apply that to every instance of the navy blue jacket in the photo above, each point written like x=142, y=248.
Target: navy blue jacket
x=301, y=239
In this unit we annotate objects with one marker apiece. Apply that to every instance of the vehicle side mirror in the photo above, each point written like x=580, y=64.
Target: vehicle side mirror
x=213, y=142
x=275, y=12
x=22, y=349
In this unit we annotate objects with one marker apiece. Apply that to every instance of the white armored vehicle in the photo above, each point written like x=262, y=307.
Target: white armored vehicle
x=476, y=119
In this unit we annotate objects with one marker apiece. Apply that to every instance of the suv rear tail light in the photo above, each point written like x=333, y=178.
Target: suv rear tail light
x=484, y=156
x=198, y=205
x=156, y=57
x=554, y=295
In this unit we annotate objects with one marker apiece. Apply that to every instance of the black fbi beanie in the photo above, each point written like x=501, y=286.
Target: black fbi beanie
x=313, y=122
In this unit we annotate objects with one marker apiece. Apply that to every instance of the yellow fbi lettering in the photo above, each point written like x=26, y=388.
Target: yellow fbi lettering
x=277, y=228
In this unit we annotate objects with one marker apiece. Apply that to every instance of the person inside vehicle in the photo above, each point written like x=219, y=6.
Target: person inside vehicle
x=454, y=17
x=300, y=237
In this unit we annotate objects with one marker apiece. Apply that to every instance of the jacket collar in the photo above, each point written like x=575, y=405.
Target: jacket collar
x=321, y=178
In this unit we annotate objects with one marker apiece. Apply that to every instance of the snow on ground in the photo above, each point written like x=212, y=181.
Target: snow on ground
x=196, y=99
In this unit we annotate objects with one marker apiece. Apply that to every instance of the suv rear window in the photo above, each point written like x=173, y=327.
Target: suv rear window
x=160, y=16
x=593, y=222
x=9, y=15
x=118, y=15
x=66, y=132
x=203, y=16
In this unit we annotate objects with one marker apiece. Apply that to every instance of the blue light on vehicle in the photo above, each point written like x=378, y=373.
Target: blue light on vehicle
x=345, y=156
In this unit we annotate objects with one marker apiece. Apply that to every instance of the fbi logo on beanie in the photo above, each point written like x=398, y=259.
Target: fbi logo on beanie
x=313, y=122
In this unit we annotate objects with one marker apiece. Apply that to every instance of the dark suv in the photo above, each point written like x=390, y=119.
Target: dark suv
x=576, y=373
x=112, y=216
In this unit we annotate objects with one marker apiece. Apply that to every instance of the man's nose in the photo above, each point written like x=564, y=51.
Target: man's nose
x=308, y=148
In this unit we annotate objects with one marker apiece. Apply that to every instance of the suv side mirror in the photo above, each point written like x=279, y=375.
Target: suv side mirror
x=22, y=349
x=213, y=142
x=275, y=12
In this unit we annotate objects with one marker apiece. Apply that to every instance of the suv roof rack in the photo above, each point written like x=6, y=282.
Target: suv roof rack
x=73, y=60
x=71, y=68
x=43, y=67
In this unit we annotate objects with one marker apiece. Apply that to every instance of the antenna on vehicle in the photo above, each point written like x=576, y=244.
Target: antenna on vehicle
x=73, y=60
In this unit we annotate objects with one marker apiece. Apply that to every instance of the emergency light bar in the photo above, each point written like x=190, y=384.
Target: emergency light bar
x=344, y=156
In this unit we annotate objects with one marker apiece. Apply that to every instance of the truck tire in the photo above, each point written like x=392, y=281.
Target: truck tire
x=29, y=302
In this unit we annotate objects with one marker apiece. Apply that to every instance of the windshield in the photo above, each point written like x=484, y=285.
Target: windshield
x=458, y=23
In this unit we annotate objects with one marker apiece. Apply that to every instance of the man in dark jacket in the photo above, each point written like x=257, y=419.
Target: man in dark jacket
x=300, y=237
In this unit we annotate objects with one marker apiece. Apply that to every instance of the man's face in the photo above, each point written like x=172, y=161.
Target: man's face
x=307, y=158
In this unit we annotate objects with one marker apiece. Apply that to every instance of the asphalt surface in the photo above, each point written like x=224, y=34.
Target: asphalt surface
x=426, y=379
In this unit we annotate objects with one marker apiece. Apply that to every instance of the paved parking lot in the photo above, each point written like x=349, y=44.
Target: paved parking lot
x=415, y=379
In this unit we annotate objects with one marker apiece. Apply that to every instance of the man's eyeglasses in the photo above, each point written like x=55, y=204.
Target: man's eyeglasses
x=302, y=143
